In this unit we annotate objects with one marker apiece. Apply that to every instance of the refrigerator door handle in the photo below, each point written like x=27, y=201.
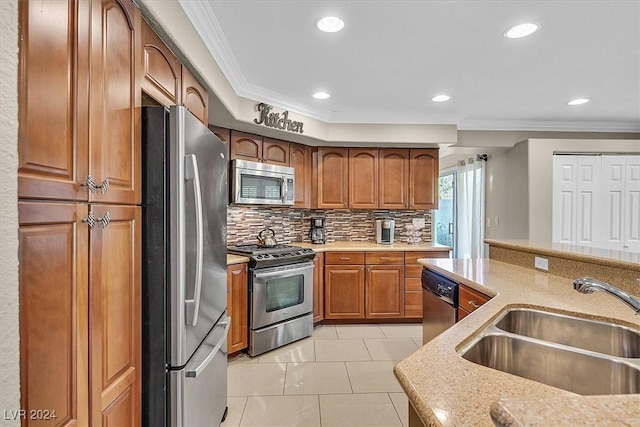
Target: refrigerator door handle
x=202, y=366
x=191, y=173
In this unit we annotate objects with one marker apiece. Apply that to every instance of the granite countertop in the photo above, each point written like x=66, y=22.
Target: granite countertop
x=447, y=390
x=236, y=259
x=601, y=256
x=372, y=246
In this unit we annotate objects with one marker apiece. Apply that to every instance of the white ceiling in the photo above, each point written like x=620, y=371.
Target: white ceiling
x=393, y=56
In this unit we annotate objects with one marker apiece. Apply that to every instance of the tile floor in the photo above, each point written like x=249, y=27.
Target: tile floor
x=340, y=376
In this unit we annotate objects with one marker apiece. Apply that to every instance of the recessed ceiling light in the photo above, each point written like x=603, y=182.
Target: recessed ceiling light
x=441, y=98
x=321, y=95
x=330, y=24
x=578, y=101
x=521, y=30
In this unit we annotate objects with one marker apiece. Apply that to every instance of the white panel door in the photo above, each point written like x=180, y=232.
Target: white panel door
x=564, y=198
x=613, y=186
x=632, y=204
x=588, y=213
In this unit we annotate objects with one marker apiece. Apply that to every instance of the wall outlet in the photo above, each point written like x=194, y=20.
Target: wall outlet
x=418, y=222
x=541, y=263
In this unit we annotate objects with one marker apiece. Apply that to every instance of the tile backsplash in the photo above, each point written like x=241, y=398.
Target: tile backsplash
x=292, y=225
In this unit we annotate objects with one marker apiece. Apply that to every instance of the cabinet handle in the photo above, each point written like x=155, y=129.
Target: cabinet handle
x=344, y=258
x=91, y=220
x=90, y=183
x=384, y=258
x=473, y=304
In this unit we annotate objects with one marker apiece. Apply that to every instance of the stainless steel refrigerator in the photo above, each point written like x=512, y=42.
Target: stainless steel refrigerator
x=185, y=323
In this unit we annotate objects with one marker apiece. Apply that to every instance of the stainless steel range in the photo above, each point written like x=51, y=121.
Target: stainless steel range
x=280, y=294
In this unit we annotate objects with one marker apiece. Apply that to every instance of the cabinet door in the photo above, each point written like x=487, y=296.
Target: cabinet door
x=394, y=178
x=423, y=178
x=318, y=288
x=385, y=292
x=333, y=177
x=53, y=100
x=275, y=152
x=222, y=133
x=115, y=101
x=363, y=178
x=245, y=146
x=195, y=97
x=162, y=70
x=300, y=161
x=344, y=292
x=54, y=311
x=115, y=316
x=237, y=307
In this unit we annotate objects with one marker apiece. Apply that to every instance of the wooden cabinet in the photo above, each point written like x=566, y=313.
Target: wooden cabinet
x=300, y=161
x=394, y=178
x=80, y=311
x=318, y=288
x=162, y=71
x=238, y=307
x=255, y=148
x=423, y=178
x=194, y=96
x=413, y=281
x=344, y=291
x=333, y=178
x=222, y=133
x=384, y=289
x=79, y=143
x=469, y=300
x=363, y=178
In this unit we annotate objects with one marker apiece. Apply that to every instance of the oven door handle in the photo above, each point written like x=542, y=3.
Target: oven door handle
x=281, y=272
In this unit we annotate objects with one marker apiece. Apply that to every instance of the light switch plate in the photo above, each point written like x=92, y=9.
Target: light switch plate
x=541, y=263
x=419, y=222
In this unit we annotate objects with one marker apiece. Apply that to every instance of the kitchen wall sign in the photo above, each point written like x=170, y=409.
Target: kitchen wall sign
x=274, y=120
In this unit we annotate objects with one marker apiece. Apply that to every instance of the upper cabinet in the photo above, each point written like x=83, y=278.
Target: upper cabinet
x=300, y=161
x=394, y=178
x=162, y=71
x=222, y=133
x=423, y=178
x=255, y=148
x=333, y=177
x=363, y=178
x=194, y=96
x=79, y=115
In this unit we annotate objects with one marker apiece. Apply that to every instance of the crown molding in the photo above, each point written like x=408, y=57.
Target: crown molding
x=549, y=126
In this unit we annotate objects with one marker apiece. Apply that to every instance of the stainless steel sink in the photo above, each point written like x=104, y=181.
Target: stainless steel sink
x=601, y=337
x=557, y=366
x=579, y=355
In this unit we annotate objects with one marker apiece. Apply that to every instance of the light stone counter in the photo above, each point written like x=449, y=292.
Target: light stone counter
x=447, y=390
x=372, y=246
x=236, y=259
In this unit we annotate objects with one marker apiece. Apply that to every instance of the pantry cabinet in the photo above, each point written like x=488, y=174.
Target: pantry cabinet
x=162, y=71
x=237, y=307
x=363, y=178
x=333, y=178
x=194, y=96
x=423, y=178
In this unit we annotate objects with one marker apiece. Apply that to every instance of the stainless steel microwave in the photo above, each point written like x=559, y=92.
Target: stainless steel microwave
x=256, y=183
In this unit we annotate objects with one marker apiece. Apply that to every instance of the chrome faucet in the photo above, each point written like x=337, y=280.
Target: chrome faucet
x=587, y=285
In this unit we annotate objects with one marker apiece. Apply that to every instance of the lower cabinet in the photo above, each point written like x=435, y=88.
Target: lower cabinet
x=413, y=281
x=318, y=288
x=237, y=307
x=343, y=291
x=384, y=292
x=80, y=312
x=469, y=300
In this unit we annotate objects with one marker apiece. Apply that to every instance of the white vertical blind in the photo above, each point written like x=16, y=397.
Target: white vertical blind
x=470, y=210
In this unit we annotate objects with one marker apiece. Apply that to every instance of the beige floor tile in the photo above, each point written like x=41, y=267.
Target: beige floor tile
x=390, y=349
x=341, y=350
x=358, y=410
x=359, y=331
x=402, y=331
x=242, y=358
x=256, y=379
x=373, y=377
x=281, y=411
x=418, y=341
x=401, y=403
x=236, y=408
x=299, y=351
x=317, y=378
x=323, y=332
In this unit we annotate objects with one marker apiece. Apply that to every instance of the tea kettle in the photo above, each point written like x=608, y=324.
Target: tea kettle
x=267, y=240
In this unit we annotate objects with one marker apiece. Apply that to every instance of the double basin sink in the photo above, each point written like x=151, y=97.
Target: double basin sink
x=587, y=357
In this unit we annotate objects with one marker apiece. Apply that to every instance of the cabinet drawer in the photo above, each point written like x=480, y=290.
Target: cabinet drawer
x=413, y=257
x=470, y=299
x=413, y=305
x=412, y=283
x=413, y=270
x=343, y=258
x=384, y=258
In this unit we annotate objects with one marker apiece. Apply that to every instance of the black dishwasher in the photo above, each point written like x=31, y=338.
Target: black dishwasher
x=439, y=304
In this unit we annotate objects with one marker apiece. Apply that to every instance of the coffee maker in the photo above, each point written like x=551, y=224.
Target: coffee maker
x=384, y=231
x=317, y=231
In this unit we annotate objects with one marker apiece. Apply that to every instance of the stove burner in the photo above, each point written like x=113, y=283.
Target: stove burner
x=262, y=256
